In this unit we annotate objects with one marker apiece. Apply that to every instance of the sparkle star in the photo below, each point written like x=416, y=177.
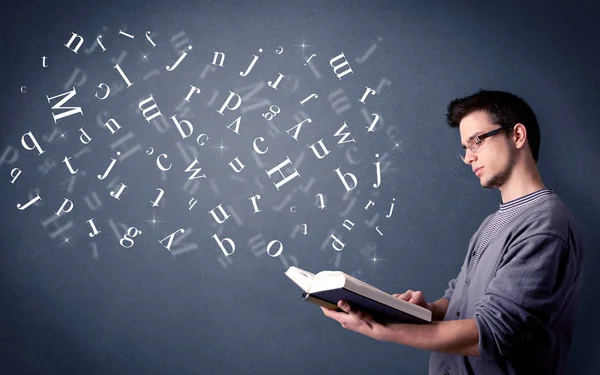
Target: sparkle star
x=375, y=260
x=67, y=240
x=303, y=46
x=144, y=58
x=398, y=145
x=154, y=221
x=62, y=135
x=221, y=147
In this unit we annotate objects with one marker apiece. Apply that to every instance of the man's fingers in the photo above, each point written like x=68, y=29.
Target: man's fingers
x=411, y=296
x=344, y=306
x=416, y=298
x=357, y=313
x=404, y=296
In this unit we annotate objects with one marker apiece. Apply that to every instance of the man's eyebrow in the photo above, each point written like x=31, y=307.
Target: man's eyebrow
x=471, y=137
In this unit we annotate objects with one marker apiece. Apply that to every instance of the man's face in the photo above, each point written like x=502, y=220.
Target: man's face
x=495, y=158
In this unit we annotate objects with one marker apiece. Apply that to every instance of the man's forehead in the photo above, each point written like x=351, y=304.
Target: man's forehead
x=474, y=124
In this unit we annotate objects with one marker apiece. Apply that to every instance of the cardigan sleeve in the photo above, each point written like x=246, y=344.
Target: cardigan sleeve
x=527, y=291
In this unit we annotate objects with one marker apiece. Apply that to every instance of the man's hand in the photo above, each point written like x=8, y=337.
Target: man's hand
x=414, y=297
x=357, y=321
x=438, y=308
x=460, y=337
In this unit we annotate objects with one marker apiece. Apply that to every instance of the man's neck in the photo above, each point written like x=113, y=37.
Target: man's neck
x=524, y=180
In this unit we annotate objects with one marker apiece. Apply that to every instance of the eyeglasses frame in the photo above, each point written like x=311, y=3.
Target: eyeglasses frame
x=478, y=139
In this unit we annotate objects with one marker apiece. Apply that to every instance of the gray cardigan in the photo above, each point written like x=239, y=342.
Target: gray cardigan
x=522, y=292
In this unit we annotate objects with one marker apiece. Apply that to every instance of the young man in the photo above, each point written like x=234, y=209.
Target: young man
x=512, y=307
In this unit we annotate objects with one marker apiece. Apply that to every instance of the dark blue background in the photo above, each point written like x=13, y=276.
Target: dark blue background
x=67, y=308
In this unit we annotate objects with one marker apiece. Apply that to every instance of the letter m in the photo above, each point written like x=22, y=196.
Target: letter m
x=68, y=111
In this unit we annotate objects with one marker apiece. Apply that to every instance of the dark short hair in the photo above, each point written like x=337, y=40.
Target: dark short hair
x=503, y=108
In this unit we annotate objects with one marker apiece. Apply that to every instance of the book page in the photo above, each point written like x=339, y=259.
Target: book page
x=301, y=277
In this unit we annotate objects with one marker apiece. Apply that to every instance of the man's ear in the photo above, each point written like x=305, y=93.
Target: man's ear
x=519, y=135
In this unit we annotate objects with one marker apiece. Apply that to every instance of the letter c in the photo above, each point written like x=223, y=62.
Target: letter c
x=23, y=89
x=159, y=164
x=107, y=91
x=292, y=209
x=200, y=143
x=256, y=147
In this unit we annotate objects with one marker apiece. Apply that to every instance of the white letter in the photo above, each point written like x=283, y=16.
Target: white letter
x=325, y=150
x=150, y=108
x=367, y=92
x=66, y=161
x=12, y=174
x=35, y=145
x=159, y=164
x=226, y=104
x=258, y=151
x=223, y=213
x=59, y=105
x=240, y=166
x=37, y=197
x=336, y=241
x=178, y=124
x=278, y=251
x=278, y=169
x=79, y=43
x=253, y=199
x=220, y=243
x=62, y=207
x=193, y=90
x=107, y=91
x=84, y=134
x=340, y=66
x=342, y=177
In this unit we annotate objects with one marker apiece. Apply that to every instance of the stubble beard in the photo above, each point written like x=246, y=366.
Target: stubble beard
x=501, y=177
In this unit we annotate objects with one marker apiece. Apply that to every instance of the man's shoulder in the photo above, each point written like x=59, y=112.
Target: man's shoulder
x=550, y=216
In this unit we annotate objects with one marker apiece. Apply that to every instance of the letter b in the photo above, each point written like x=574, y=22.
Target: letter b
x=343, y=178
x=220, y=243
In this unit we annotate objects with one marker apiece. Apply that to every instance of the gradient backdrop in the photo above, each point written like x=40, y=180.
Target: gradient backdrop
x=75, y=304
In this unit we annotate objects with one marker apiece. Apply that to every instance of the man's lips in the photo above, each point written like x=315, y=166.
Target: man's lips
x=476, y=169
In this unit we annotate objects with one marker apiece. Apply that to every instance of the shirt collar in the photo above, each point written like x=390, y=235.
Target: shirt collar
x=524, y=199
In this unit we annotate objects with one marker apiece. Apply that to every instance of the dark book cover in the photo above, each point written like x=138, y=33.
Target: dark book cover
x=379, y=311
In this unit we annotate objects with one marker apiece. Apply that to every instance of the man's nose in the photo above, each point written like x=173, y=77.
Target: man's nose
x=469, y=156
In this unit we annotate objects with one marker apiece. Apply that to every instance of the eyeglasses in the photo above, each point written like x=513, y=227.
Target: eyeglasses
x=476, y=141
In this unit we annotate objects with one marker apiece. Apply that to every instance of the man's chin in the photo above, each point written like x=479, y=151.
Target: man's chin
x=485, y=184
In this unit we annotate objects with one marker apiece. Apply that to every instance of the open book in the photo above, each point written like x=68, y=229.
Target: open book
x=326, y=288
